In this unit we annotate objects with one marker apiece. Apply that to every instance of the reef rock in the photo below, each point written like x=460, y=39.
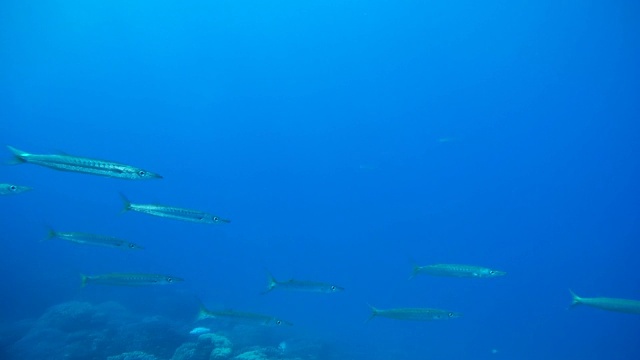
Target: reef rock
x=72, y=316
x=134, y=355
x=220, y=353
x=186, y=351
x=252, y=355
x=209, y=347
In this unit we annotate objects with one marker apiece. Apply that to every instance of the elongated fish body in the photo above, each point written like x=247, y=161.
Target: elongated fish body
x=83, y=165
x=172, y=212
x=456, y=270
x=297, y=285
x=93, y=239
x=11, y=189
x=414, y=314
x=611, y=304
x=239, y=316
x=120, y=279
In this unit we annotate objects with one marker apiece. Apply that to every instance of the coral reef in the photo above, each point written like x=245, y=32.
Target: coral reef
x=208, y=346
x=257, y=354
x=220, y=353
x=155, y=335
x=134, y=355
x=83, y=331
x=80, y=330
x=186, y=351
x=71, y=317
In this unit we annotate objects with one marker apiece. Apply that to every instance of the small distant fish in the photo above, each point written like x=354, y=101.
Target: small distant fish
x=232, y=315
x=611, y=304
x=118, y=279
x=456, y=270
x=199, y=331
x=93, y=239
x=171, y=212
x=10, y=189
x=63, y=162
x=297, y=285
x=416, y=314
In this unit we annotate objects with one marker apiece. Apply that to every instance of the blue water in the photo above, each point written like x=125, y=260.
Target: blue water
x=344, y=139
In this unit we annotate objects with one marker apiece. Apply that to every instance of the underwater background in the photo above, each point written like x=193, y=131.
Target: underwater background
x=345, y=140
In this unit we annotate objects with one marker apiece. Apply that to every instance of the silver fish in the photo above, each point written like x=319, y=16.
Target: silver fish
x=83, y=165
x=239, y=316
x=10, y=189
x=416, y=314
x=199, y=331
x=298, y=285
x=120, y=279
x=172, y=212
x=93, y=239
x=456, y=270
x=611, y=304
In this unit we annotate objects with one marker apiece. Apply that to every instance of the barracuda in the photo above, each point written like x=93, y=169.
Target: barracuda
x=415, y=314
x=297, y=285
x=11, y=189
x=120, y=279
x=456, y=270
x=611, y=304
x=239, y=316
x=93, y=239
x=171, y=212
x=63, y=162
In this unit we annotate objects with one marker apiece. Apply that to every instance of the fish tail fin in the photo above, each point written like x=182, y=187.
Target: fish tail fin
x=51, y=233
x=203, y=313
x=272, y=282
x=85, y=279
x=415, y=269
x=126, y=204
x=19, y=156
x=374, y=313
x=575, y=299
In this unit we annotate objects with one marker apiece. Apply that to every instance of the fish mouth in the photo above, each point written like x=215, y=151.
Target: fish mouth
x=453, y=315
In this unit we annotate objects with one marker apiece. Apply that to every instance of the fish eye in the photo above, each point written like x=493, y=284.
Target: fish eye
x=215, y=218
x=450, y=314
x=12, y=187
x=141, y=173
x=131, y=246
x=333, y=287
x=278, y=322
x=169, y=279
x=492, y=272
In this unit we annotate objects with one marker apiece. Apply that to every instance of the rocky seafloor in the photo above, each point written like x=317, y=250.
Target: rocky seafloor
x=85, y=331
